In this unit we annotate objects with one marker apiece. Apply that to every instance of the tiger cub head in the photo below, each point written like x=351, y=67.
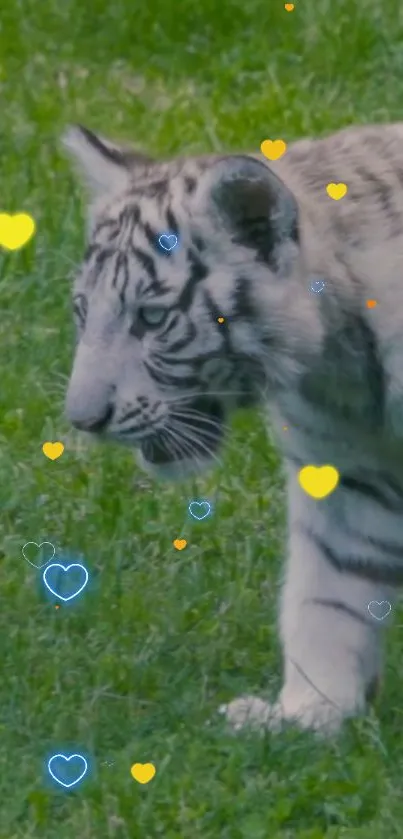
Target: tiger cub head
x=186, y=302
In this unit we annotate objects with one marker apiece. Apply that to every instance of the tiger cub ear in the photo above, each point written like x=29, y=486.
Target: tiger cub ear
x=255, y=205
x=105, y=165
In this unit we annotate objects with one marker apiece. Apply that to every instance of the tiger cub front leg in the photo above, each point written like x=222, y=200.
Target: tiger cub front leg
x=331, y=643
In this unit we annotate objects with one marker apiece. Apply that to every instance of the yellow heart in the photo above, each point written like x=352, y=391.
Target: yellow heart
x=179, y=544
x=336, y=191
x=143, y=772
x=273, y=149
x=15, y=231
x=288, y=7
x=53, y=450
x=318, y=481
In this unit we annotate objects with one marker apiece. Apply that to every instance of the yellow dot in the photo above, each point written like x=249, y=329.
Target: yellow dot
x=220, y=320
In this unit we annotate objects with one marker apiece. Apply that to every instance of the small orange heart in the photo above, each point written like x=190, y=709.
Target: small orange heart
x=179, y=544
x=288, y=7
x=371, y=304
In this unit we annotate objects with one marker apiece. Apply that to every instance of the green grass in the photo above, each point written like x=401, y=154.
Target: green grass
x=136, y=670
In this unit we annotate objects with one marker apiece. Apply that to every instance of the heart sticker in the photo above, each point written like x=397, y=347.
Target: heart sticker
x=15, y=230
x=72, y=580
x=53, y=450
x=273, y=149
x=317, y=286
x=60, y=772
x=35, y=552
x=199, y=509
x=336, y=191
x=179, y=544
x=142, y=772
x=379, y=609
x=318, y=481
x=168, y=241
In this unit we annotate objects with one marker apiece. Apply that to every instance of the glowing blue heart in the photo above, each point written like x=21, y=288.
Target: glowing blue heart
x=66, y=568
x=168, y=241
x=199, y=509
x=76, y=778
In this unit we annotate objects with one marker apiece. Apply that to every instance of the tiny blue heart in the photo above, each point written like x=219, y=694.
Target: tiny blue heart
x=199, y=509
x=317, y=286
x=168, y=241
x=61, y=771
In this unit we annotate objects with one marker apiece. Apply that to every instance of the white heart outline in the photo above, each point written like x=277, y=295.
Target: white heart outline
x=168, y=236
x=379, y=603
x=315, y=283
x=58, y=565
x=199, y=503
x=38, y=546
x=67, y=758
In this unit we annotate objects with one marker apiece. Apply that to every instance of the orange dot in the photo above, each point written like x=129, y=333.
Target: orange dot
x=56, y=607
x=371, y=304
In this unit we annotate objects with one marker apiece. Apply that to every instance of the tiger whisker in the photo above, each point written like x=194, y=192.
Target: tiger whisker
x=199, y=393
x=170, y=443
x=186, y=433
x=198, y=415
x=186, y=410
x=179, y=446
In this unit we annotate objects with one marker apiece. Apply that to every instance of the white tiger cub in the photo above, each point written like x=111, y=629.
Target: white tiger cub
x=153, y=368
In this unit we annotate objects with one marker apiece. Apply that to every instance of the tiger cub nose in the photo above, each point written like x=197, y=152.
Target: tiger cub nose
x=91, y=424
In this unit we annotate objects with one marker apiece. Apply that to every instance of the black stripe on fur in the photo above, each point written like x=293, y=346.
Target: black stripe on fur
x=389, y=574
x=339, y=606
x=198, y=272
x=363, y=487
x=146, y=261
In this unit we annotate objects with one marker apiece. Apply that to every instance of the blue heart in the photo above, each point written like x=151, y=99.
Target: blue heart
x=61, y=769
x=73, y=582
x=317, y=286
x=168, y=241
x=199, y=505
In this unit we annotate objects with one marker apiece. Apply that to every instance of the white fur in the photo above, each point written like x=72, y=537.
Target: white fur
x=330, y=660
x=332, y=651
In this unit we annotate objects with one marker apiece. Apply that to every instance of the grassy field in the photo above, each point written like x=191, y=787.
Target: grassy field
x=135, y=671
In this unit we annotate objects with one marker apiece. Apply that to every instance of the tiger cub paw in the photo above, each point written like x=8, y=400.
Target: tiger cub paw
x=248, y=711
x=253, y=712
